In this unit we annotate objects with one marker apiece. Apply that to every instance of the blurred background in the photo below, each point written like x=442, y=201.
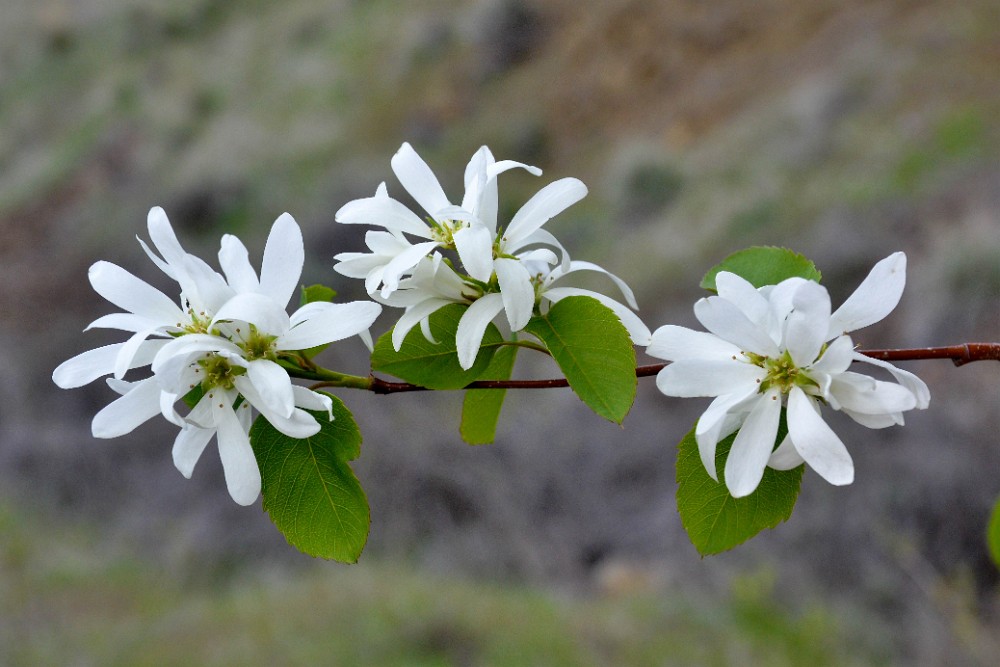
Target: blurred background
x=845, y=130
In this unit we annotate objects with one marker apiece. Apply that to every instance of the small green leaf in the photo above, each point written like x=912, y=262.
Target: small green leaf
x=316, y=293
x=434, y=365
x=481, y=407
x=713, y=519
x=763, y=265
x=594, y=352
x=993, y=534
x=309, y=491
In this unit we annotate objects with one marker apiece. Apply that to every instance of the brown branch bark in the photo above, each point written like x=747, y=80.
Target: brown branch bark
x=959, y=354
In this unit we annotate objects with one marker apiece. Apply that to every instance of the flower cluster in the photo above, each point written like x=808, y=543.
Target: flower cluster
x=221, y=348
x=777, y=346
x=511, y=269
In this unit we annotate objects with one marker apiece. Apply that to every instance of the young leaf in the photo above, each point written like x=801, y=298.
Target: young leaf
x=481, y=407
x=713, y=519
x=993, y=534
x=594, y=352
x=309, y=491
x=316, y=293
x=434, y=365
x=763, y=265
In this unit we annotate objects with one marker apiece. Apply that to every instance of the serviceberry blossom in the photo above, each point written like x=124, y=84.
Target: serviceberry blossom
x=465, y=228
x=781, y=346
x=509, y=269
x=221, y=347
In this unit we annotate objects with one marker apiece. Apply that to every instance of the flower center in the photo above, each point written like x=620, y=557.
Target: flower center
x=199, y=323
x=258, y=345
x=444, y=231
x=218, y=372
x=782, y=373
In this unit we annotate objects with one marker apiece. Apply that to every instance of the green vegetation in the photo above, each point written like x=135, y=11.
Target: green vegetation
x=80, y=603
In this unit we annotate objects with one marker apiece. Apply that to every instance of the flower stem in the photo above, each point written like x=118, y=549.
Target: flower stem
x=959, y=354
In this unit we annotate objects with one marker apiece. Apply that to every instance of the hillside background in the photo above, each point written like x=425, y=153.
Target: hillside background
x=844, y=130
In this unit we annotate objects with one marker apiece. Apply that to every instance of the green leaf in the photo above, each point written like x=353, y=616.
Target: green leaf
x=713, y=519
x=434, y=365
x=309, y=491
x=481, y=407
x=192, y=397
x=763, y=265
x=993, y=534
x=316, y=292
x=594, y=352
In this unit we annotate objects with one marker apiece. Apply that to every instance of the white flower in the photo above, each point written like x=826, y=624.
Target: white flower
x=149, y=311
x=463, y=227
x=239, y=356
x=519, y=300
x=781, y=345
x=227, y=338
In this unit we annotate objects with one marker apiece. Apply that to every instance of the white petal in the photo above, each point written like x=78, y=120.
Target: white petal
x=124, y=414
x=300, y=424
x=329, y=322
x=402, y=263
x=738, y=290
x=383, y=212
x=816, y=442
x=132, y=294
x=688, y=378
x=874, y=298
x=178, y=351
x=722, y=417
x=413, y=316
x=517, y=292
x=87, y=366
x=128, y=350
x=917, y=386
x=860, y=393
x=312, y=400
x=235, y=262
x=806, y=326
x=124, y=322
x=876, y=421
x=551, y=200
x=188, y=446
x=727, y=321
x=258, y=309
x=753, y=445
x=418, y=179
x=475, y=248
x=672, y=342
x=238, y=462
x=472, y=327
x=538, y=237
x=273, y=384
x=284, y=256
x=163, y=237
x=837, y=358
x=204, y=289
x=785, y=457
x=621, y=284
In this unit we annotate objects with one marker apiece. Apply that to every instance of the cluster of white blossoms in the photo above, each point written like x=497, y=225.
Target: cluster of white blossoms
x=510, y=269
x=780, y=345
x=225, y=345
x=221, y=344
